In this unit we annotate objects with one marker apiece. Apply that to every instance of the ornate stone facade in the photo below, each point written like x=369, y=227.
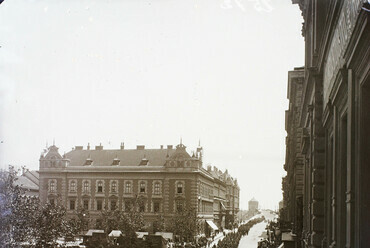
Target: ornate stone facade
x=166, y=180
x=332, y=132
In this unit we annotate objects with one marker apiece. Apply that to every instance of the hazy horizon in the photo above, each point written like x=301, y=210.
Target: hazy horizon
x=152, y=72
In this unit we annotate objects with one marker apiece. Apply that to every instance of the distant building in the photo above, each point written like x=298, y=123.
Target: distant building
x=253, y=205
x=226, y=197
x=29, y=181
x=165, y=179
x=281, y=204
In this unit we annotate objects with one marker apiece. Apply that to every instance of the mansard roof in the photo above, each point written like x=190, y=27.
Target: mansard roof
x=127, y=157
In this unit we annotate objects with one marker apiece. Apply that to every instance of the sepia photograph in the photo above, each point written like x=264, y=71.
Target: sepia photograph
x=185, y=123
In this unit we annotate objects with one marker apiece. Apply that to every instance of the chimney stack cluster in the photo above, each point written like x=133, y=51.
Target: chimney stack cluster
x=99, y=147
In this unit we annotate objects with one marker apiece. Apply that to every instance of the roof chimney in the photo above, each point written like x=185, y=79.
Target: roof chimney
x=209, y=168
x=88, y=146
x=79, y=147
x=161, y=146
x=140, y=147
x=99, y=147
x=122, y=145
x=169, y=147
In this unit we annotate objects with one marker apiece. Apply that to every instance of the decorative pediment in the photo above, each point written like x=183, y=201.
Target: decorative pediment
x=53, y=153
x=180, y=158
x=52, y=158
x=180, y=153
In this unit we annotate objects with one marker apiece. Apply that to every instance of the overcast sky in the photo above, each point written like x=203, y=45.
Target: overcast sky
x=149, y=72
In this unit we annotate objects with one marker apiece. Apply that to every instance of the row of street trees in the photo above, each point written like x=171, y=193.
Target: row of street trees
x=25, y=221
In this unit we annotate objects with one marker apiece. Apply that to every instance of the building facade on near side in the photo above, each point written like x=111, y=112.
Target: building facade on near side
x=293, y=182
x=253, y=205
x=328, y=125
x=166, y=180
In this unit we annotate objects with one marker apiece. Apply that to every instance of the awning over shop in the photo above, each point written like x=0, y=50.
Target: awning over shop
x=223, y=206
x=140, y=235
x=91, y=231
x=212, y=225
x=115, y=233
x=281, y=246
x=118, y=233
x=165, y=235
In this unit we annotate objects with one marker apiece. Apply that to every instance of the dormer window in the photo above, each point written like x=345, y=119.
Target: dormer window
x=116, y=162
x=88, y=161
x=144, y=162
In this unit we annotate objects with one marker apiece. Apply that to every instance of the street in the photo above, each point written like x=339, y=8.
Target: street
x=257, y=232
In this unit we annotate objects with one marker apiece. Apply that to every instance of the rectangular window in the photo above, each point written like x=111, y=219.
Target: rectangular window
x=128, y=206
x=52, y=186
x=142, y=187
x=73, y=186
x=99, y=205
x=86, y=187
x=141, y=207
x=100, y=187
x=113, y=205
x=179, y=188
x=156, y=207
x=179, y=206
x=157, y=189
x=128, y=188
x=86, y=204
x=99, y=223
x=114, y=187
x=72, y=204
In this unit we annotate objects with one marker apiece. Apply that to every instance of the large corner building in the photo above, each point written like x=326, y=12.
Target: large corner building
x=166, y=180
